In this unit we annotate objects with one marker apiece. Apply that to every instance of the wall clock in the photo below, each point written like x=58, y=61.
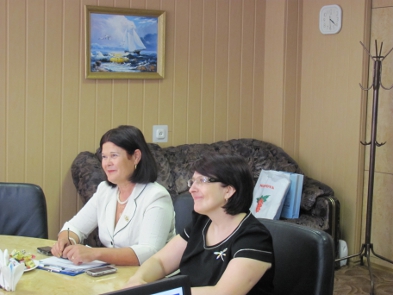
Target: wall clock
x=330, y=18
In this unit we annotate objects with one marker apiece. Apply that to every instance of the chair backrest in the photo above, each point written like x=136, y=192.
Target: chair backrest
x=183, y=205
x=304, y=259
x=23, y=210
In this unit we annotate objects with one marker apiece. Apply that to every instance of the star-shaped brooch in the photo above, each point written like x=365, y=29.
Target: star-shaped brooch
x=221, y=254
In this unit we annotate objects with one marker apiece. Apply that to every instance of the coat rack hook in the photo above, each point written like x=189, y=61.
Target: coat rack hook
x=378, y=58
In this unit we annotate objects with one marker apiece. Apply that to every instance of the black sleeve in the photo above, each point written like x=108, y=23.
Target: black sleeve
x=254, y=243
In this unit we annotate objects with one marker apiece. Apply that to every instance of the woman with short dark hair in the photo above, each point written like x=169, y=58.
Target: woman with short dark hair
x=217, y=167
x=134, y=214
x=225, y=249
x=130, y=139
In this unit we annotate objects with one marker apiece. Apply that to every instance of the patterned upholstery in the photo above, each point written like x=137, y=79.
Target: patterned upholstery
x=174, y=169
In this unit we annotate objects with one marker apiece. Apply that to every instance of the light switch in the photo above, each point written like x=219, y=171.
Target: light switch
x=160, y=133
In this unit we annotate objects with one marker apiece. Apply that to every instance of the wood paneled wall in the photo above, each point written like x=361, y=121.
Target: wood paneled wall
x=333, y=107
x=49, y=112
x=234, y=68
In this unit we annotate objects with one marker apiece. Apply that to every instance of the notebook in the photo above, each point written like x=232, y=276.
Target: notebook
x=176, y=285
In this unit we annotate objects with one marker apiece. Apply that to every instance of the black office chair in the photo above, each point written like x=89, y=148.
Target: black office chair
x=23, y=210
x=183, y=205
x=304, y=257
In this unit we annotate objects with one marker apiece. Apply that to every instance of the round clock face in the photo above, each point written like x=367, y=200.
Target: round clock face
x=330, y=18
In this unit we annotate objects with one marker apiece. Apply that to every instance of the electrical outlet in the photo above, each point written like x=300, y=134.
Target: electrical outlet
x=160, y=133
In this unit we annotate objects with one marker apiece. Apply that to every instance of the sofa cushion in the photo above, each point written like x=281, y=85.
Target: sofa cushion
x=259, y=155
x=165, y=178
x=87, y=173
x=181, y=159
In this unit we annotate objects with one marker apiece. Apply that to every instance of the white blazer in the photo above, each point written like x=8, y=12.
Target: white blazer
x=146, y=224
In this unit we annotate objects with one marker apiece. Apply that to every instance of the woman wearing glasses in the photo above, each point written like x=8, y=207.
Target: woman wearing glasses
x=134, y=214
x=225, y=249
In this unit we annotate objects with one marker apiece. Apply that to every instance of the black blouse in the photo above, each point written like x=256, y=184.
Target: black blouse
x=205, y=264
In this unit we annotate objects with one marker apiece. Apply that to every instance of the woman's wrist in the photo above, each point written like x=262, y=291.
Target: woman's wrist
x=69, y=237
x=72, y=241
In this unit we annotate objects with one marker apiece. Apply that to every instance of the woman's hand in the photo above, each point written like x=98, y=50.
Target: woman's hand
x=59, y=246
x=65, y=239
x=79, y=254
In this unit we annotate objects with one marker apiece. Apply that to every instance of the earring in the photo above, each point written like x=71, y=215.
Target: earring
x=135, y=166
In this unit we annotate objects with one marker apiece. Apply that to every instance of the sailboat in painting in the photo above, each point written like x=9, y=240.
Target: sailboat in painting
x=132, y=41
x=123, y=43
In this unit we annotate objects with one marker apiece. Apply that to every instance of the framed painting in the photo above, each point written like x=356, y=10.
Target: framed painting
x=124, y=43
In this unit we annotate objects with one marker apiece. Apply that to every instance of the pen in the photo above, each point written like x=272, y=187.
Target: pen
x=70, y=239
x=68, y=232
x=53, y=268
x=69, y=242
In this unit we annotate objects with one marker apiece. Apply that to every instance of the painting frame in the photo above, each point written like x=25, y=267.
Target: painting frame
x=118, y=63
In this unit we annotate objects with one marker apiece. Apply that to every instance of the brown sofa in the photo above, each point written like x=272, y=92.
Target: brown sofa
x=319, y=207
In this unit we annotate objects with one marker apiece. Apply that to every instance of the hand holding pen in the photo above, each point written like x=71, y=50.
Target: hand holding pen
x=66, y=238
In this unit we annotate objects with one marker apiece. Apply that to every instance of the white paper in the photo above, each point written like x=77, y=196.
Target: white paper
x=68, y=265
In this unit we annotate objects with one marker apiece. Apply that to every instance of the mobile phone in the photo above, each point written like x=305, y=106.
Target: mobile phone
x=101, y=271
x=45, y=250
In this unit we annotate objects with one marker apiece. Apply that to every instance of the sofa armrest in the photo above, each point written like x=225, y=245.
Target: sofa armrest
x=332, y=205
x=312, y=189
x=325, y=215
x=319, y=209
x=87, y=174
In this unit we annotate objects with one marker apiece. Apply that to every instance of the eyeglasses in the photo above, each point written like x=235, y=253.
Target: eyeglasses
x=200, y=181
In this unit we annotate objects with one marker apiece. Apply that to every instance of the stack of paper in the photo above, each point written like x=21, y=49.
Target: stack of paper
x=65, y=266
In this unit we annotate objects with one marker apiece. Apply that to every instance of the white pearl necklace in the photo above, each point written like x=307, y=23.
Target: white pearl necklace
x=120, y=202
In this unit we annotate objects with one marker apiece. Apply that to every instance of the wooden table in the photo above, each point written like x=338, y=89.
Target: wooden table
x=38, y=281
